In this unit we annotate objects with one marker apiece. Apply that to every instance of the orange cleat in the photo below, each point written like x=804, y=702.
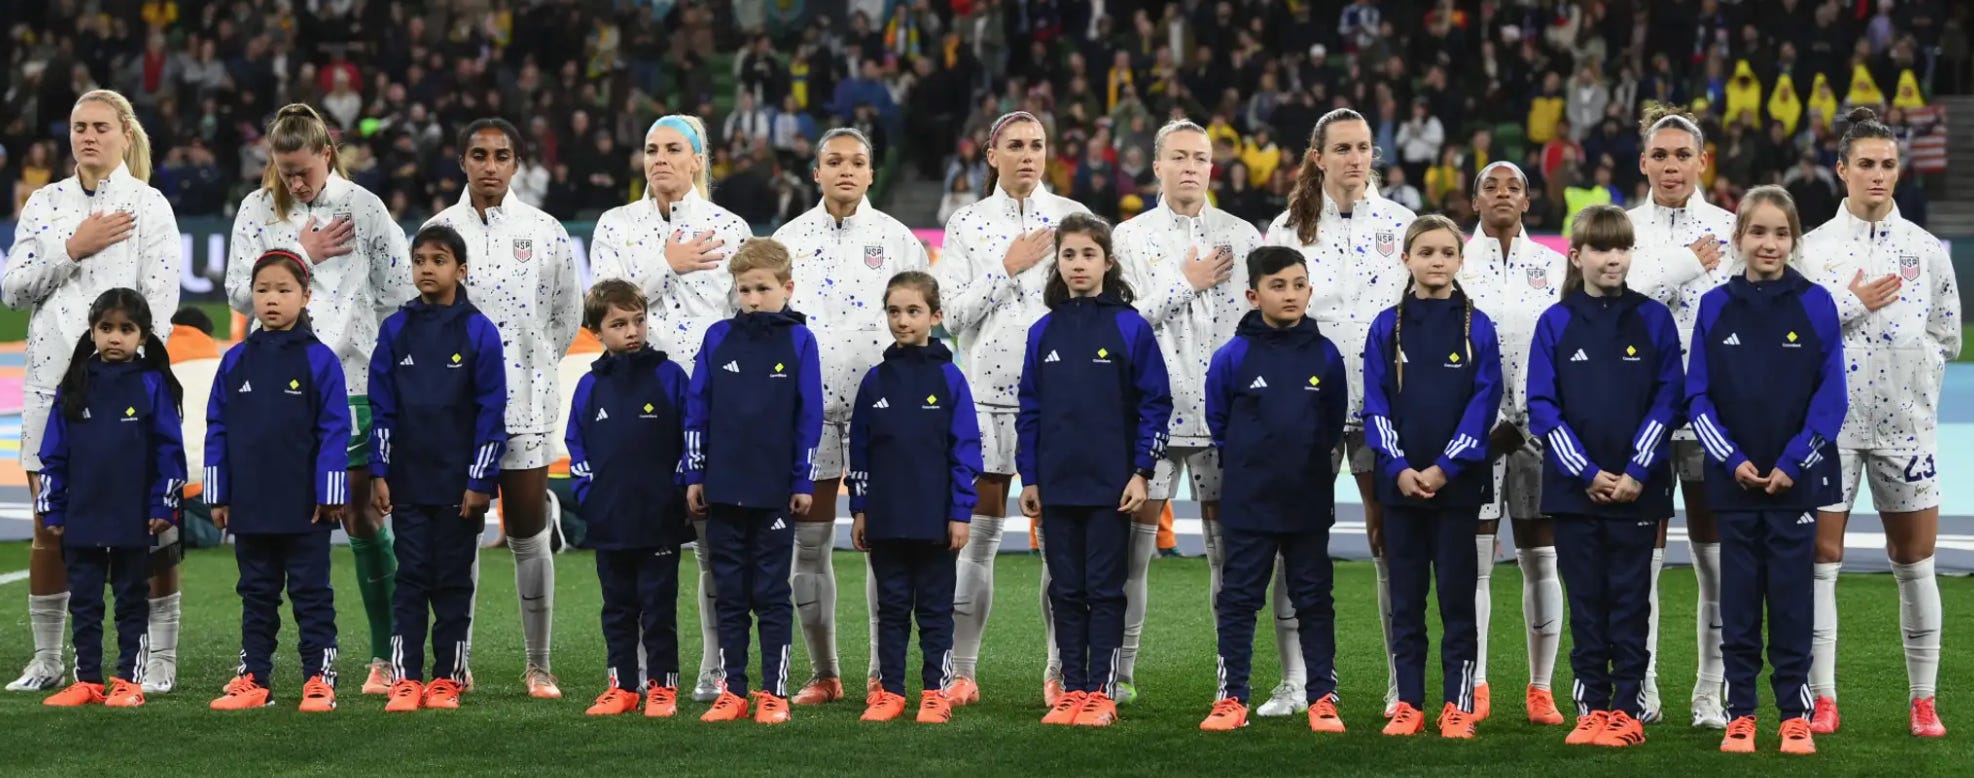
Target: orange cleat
x=1621, y=731
x=1796, y=737
x=1482, y=709
x=77, y=695
x=541, y=683
x=1065, y=709
x=933, y=708
x=1926, y=719
x=406, y=696
x=124, y=694
x=769, y=709
x=726, y=707
x=962, y=692
x=1588, y=728
x=885, y=706
x=318, y=696
x=1740, y=737
x=443, y=694
x=661, y=702
x=1051, y=691
x=1228, y=715
x=381, y=679
x=242, y=693
x=1456, y=723
x=1824, y=719
x=1323, y=716
x=1542, y=707
x=1405, y=721
x=1097, y=710
x=613, y=702
x=871, y=688
x=819, y=691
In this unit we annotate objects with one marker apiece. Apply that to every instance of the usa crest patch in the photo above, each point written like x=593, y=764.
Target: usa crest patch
x=1386, y=243
x=1538, y=278
x=873, y=256
x=1909, y=267
x=524, y=249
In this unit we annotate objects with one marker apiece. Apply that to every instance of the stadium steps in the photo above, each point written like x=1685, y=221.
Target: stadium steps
x=1953, y=216
x=914, y=201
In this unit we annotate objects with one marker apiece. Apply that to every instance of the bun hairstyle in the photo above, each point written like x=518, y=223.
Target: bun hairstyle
x=1420, y=226
x=994, y=135
x=1864, y=124
x=75, y=382
x=137, y=143
x=1659, y=116
x=1056, y=292
x=1306, y=198
x=296, y=127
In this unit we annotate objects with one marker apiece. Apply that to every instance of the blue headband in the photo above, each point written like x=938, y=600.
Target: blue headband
x=679, y=123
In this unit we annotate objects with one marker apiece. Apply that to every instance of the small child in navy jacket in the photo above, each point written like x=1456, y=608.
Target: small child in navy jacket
x=438, y=392
x=1432, y=387
x=1765, y=390
x=1095, y=407
x=914, y=452
x=626, y=437
x=1604, y=388
x=113, y=464
x=753, y=418
x=277, y=461
x=1276, y=398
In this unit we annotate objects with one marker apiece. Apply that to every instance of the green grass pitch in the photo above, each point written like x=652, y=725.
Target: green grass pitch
x=499, y=730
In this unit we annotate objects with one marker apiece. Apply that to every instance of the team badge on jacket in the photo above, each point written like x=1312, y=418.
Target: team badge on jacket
x=873, y=256
x=524, y=249
x=1538, y=278
x=1386, y=243
x=1909, y=267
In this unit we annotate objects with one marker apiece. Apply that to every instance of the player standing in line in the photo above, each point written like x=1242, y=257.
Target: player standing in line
x=99, y=229
x=1350, y=237
x=359, y=271
x=523, y=279
x=1900, y=305
x=845, y=251
x=1188, y=260
x=673, y=244
x=997, y=258
x=1681, y=254
x=1514, y=279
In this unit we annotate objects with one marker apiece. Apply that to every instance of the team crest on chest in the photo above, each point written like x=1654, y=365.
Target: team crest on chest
x=873, y=256
x=1386, y=243
x=1538, y=278
x=1909, y=267
x=524, y=249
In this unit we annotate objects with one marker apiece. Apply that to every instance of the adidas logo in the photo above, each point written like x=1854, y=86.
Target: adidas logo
x=1806, y=519
x=779, y=524
x=602, y=414
x=1258, y=383
x=1052, y=357
x=85, y=413
x=882, y=403
x=406, y=362
x=246, y=386
x=1733, y=339
x=1579, y=356
x=732, y=367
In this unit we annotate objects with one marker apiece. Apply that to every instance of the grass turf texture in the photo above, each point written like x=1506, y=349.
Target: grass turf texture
x=499, y=730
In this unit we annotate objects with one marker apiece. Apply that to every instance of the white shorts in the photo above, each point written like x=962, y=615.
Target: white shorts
x=1202, y=463
x=833, y=451
x=997, y=440
x=525, y=451
x=1363, y=459
x=1902, y=480
x=1689, y=459
x=1517, y=485
x=35, y=406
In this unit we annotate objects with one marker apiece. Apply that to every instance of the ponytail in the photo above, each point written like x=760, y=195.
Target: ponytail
x=296, y=127
x=137, y=143
x=1306, y=198
x=75, y=382
x=694, y=131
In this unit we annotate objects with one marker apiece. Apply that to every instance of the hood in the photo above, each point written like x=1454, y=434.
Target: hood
x=419, y=309
x=933, y=352
x=1790, y=284
x=646, y=358
x=1255, y=326
x=101, y=369
x=761, y=321
x=297, y=337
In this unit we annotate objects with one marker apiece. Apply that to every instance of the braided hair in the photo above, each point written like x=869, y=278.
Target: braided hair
x=1421, y=226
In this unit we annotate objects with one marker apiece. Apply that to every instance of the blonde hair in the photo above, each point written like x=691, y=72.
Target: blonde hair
x=702, y=181
x=1420, y=226
x=762, y=254
x=296, y=127
x=137, y=143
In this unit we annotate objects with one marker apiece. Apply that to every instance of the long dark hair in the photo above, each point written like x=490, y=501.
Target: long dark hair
x=1306, y=197
x=1056, y=292
x=75, y=382
x=1864, y=124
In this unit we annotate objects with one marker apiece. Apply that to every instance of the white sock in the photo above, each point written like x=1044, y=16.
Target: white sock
x=1384, y=624
x=1652, y=629
x=814, y=585
x=973, y=595
x=870, y=599
x=1823, y=638
x=163, y=632
x=709, y=618
x=1919, y=622
x=1288, y=638
x=1483, y=602
x=49, y=616
x=534, y=585
x=1706, y=568
x=1216, y=560
x=1142, y=546
x=1542, y=611
x=1052, y=669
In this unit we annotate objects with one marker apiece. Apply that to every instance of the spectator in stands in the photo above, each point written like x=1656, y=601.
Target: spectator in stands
x=1588, y=100
x=960, y=193
x=1420, y=139
x=1444, y=178
x=1545, y=111
x=1398, y=188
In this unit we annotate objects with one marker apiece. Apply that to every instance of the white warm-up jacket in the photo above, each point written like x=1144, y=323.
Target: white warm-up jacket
x=841, y=269
x=1513, y=290
x=988, y=312
x=1663, y=265
x=629, y=243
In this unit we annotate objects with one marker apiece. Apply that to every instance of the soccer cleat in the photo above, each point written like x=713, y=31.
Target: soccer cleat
x=1588, y=727
x=884, y=707
x=1288, y=699
x=406, y=696
x=1740, y=737
x=541, y=683
x=933, y=708
x=1653, y=712
x=726, y=707
x=1051, y=691
x=317, y=696
x=1323, y=716
x=769, y=709
x=1405, y=721
x=380, y=680
x=242, y=694
x=818, y=691
x=1065, y=709
x=1796, y=737
x=1542, y=707
x=443, y=694
x=1126, y=693
x=1621, y=731
x=1456, y=723
x=661, y=702
x=708, y=688
x=124, y=694
x=1228, y=714
x=1926, y=719
x=1824, y=719
x=963, y=691
x=1097, y=710
x=38, y=676
x=1481, y=706
x=160, y=675
x=1708, y=713
x=77, y=695
x=613, y=702
x=1170, y=553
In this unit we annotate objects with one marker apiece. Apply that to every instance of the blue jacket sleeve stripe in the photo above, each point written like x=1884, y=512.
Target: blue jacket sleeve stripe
x=1831, y=401
x=694, y=464
x=1647, y=443
x=858, y=476
x=53, y=500
x=168, y=436
x=572, y=437
x=963, y=457
x=1383, y=437
x=383, y=394
x=1482, y=408
x=216, y=466
x=332, y=428
x=490, y=396
x=1154, y=389
x=1698, y=403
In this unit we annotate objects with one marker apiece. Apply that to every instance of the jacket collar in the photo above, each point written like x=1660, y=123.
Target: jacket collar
x=500, y=210
x=417, y=306
x=1791, y=282
x=855, y=220
x=1691, y=200
x=683, y=207
x=1183, y=221
x=1856, y=228
x=609, y=363
x=1254, y=325
x=1000, y=202
x=933, y=352
x=119, y=180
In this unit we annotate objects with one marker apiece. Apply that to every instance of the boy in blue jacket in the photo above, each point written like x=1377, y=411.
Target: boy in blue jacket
x=1276, y=397
x=438, y=395
x=1765, y=390
x=753, y=417
x=914, y=452
x=626, y=437
x=277, y=476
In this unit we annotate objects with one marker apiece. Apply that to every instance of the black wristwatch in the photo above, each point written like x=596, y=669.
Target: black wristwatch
x=1146, y=473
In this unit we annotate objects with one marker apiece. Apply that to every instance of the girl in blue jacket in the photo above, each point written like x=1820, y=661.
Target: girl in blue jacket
x=1432, y=387
x=1604, y=385
x=113, y=463
x=1095, y=405
x=277, y=451
x=1765, y=390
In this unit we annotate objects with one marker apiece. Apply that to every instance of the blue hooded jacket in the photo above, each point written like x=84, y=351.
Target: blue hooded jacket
x=914, y=445
x=1432, y=387
x=278, y=434
x=438, y=399
x=626, y=438
x=1276, y=401
x=754, y=411
x=105, y=475
x=1095, y=402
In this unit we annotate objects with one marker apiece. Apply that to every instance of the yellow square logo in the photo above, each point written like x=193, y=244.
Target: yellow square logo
x=1792, y=337
x=1454, y=358
x=1631, y=351
x=130, y=411
x=647, y=407
x=932, y=399
x=455, y=359
x=1314, y=381
x=294, y=384
x=1103, y=353
x=778, y=367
